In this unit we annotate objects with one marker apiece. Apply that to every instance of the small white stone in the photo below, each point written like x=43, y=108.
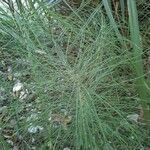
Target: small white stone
x=132, y=137
x=33, y=140
x=19, y=91
x=34, y=129
x=133, y=117
x=17, y=87
x=50, y=119
x=41, y=52
x=29, y=105
x=36, y=5
x=9, y=69
x=10, y=142
x=34, y=110
x=23, y=94
x=66, y=148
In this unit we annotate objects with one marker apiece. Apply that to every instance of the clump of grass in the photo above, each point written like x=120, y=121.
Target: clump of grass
x=72, y=68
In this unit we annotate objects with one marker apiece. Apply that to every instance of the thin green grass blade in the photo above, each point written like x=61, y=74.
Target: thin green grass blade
x=112, y=20
x=137, y=54
x=122, y=5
